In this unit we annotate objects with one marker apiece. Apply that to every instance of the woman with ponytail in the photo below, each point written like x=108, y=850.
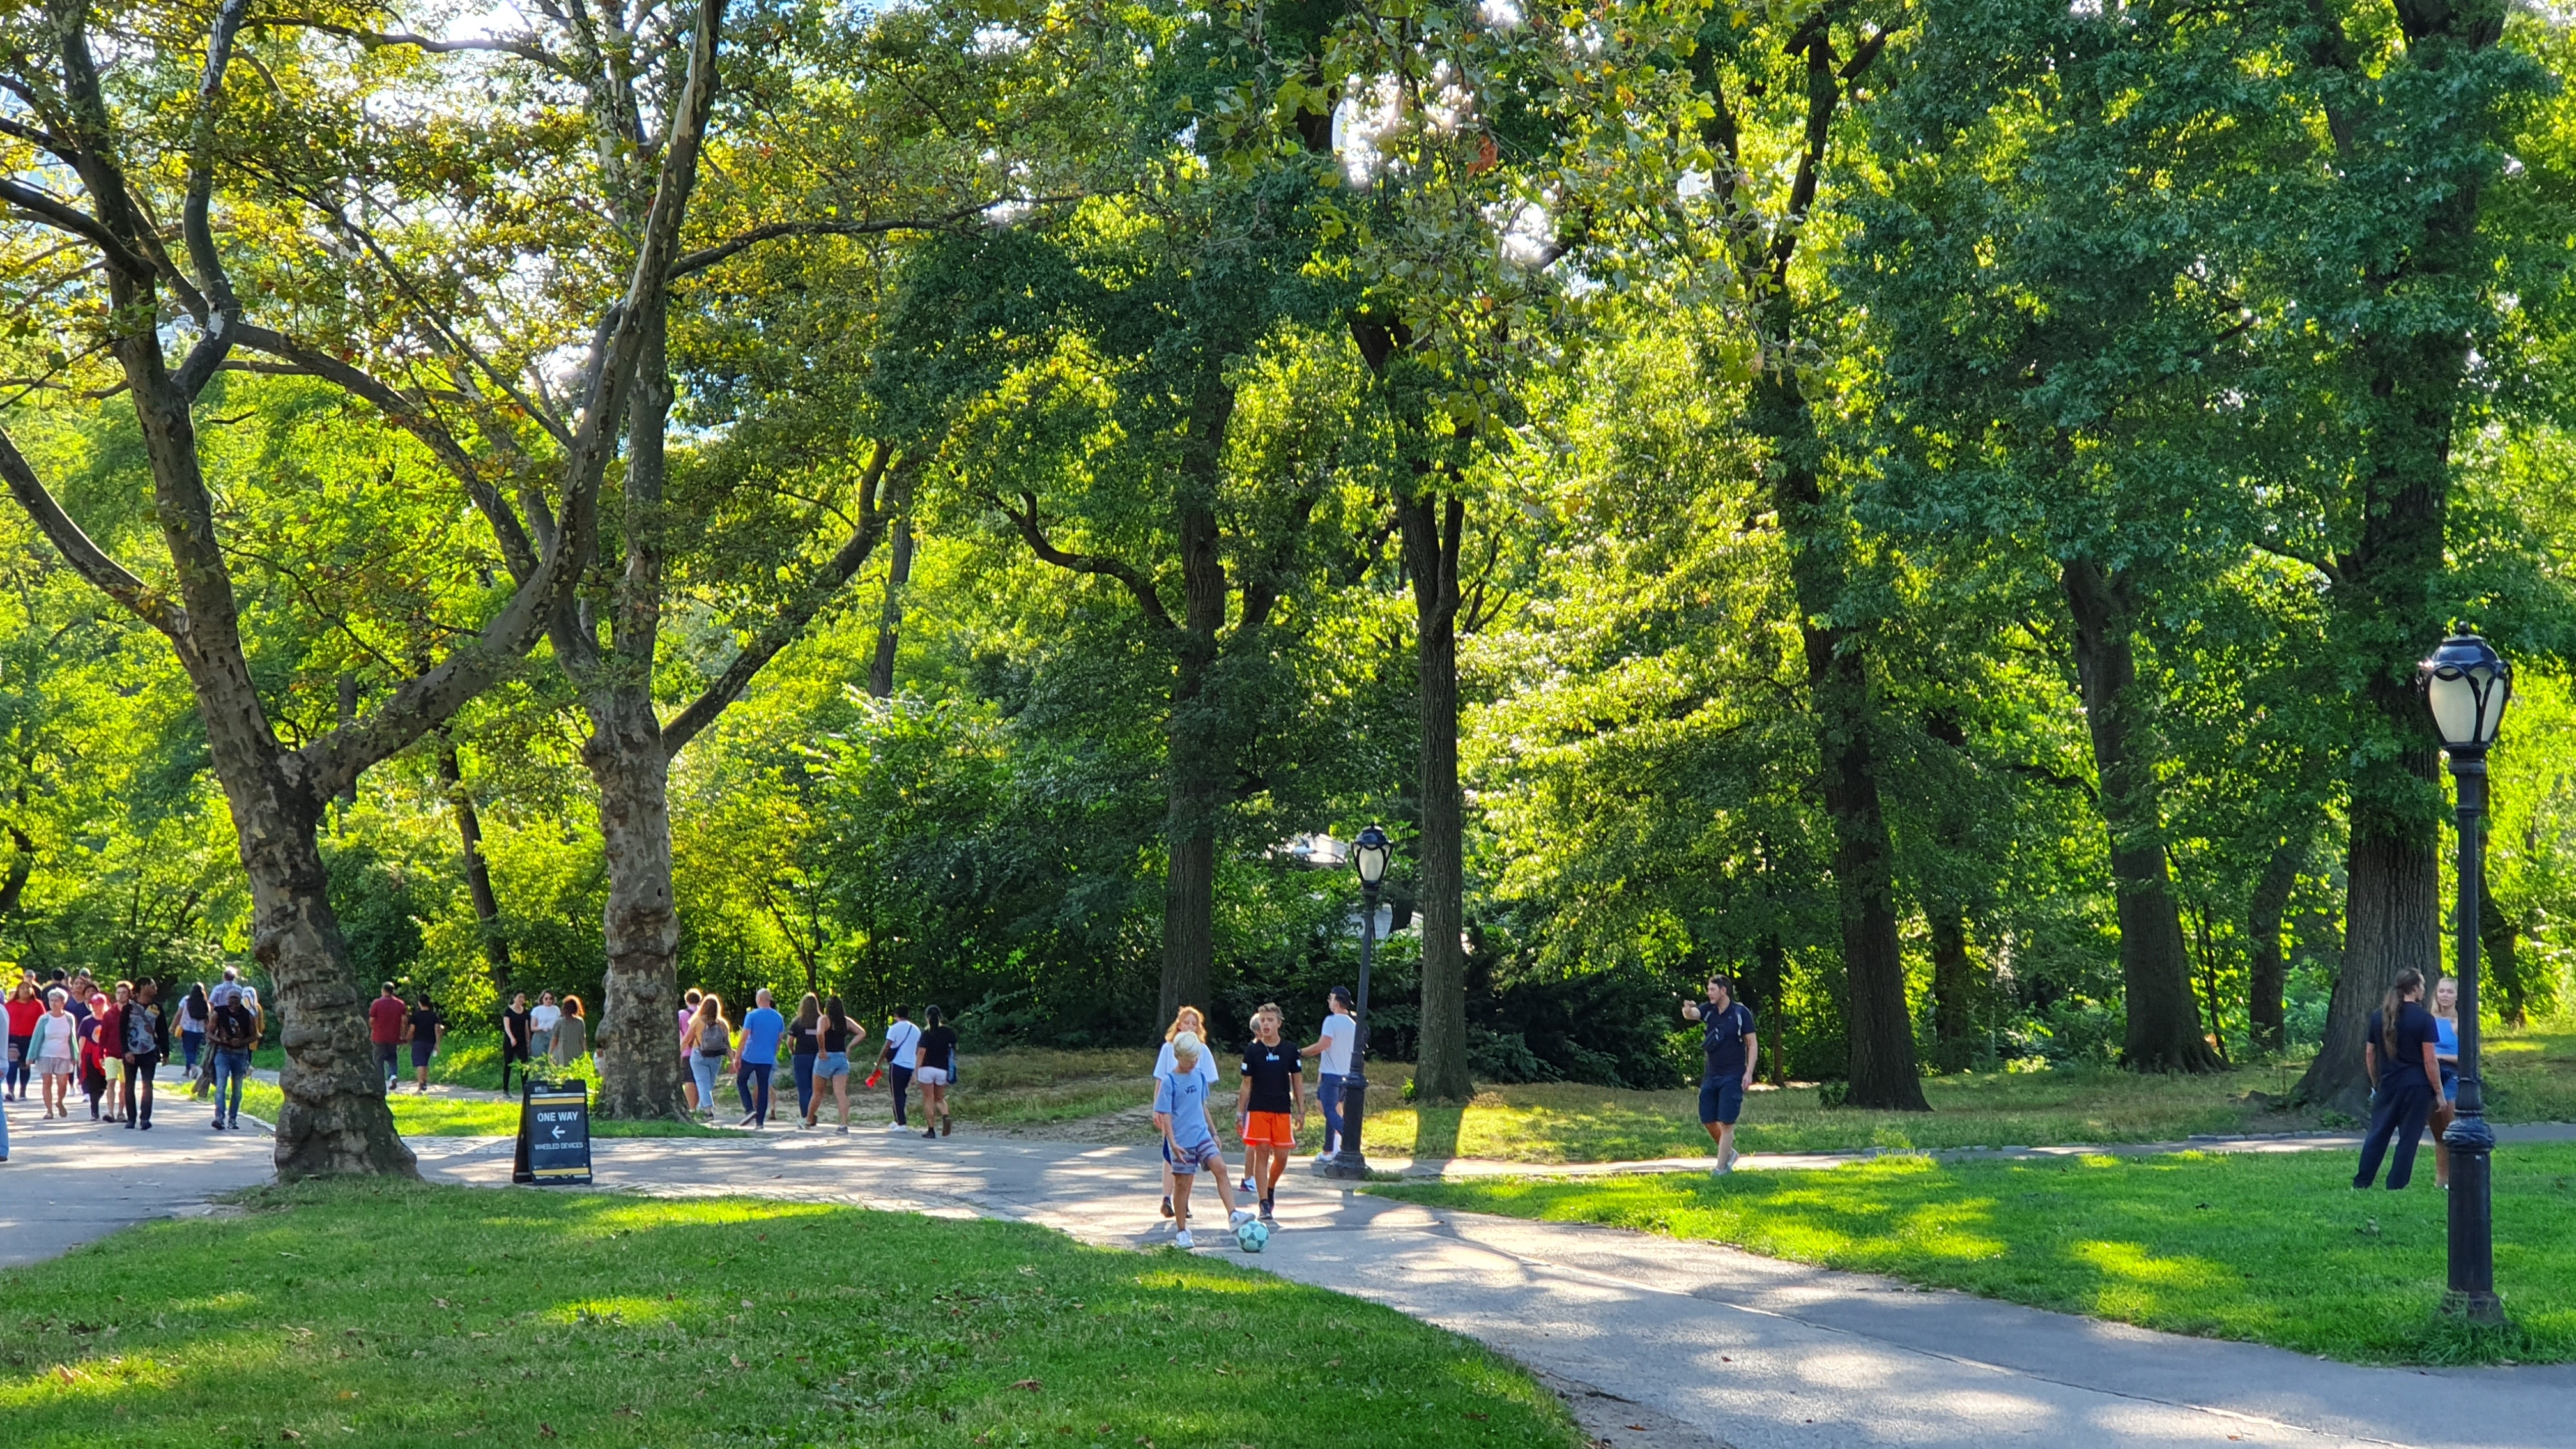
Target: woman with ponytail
x=2400, y=1057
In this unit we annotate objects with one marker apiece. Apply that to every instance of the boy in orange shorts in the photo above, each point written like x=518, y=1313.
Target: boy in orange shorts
x=1273, y=1089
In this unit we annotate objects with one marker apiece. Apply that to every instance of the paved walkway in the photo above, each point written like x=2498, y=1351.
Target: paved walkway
x=1741, y=1349
x=1695, y=1345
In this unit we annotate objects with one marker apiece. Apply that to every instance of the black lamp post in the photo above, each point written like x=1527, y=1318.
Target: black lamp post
x=2467, y=685
x=1369, y=856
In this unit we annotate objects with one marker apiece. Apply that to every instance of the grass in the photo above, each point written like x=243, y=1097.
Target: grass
x=2273, y=1248
x=382, y=1315
x=1102, y=1095
x=437, y=1116
x=2531, y=1078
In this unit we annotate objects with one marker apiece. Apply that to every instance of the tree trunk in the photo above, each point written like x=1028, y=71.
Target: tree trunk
x=2394, y=925
x=2270, y=967
x=1431, y=526
x=2423, y=304
x=334, y=1120
x=635, y=1045
x=1954, y=989
x=2155, y=964
x=1876, y=1020
x=1194, y=735
x=630, y=764
x=478, y=873
x=2499, y=942
x=890, y=618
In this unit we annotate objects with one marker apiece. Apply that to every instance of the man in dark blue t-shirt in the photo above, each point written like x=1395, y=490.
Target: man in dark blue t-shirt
x=1726, y=1036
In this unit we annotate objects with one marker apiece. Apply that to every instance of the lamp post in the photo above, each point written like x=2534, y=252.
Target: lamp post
x=1369, y=856
x=2467, y=684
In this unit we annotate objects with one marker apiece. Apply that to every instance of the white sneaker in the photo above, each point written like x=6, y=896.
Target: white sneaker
x=1240, y=1217
x=898, y=1127
x=1183, y=1239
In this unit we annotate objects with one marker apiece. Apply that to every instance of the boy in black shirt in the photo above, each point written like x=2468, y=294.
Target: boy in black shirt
x=1272, y=1089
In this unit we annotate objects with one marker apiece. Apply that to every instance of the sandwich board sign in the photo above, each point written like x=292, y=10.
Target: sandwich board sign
x=554, y=1134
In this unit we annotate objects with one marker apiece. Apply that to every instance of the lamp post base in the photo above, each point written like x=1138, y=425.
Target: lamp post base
x=2481, y=1308
x=1351, y=1163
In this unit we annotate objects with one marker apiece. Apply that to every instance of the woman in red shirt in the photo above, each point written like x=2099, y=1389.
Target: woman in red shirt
x=23, y=1010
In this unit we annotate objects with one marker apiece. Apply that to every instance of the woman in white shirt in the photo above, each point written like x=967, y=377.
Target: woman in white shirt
x=53, y=1048
x=1191, y=1020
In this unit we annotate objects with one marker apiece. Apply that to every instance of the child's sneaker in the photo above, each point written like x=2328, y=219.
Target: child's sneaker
x=1182, y=1239
x=1265, y=1212
x=1239, y=1218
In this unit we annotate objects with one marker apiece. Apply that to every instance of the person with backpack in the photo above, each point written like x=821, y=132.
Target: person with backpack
x=232, y=1030
x=708, y=1041
x=147, y=1043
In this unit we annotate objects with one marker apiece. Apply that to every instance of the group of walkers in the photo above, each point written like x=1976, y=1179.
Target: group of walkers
x=75, y=1036
x=818, y=1043
x=1270, y=1107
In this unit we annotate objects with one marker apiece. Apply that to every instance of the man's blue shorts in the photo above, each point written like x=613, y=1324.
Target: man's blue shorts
x=1720, y=1099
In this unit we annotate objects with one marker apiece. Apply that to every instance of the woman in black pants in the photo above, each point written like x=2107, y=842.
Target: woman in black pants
x=2400, y=1056
x=147, y=1041
x=514, y=1038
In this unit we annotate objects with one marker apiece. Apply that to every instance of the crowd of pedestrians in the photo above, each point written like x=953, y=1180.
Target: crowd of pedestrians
x=74, y=1040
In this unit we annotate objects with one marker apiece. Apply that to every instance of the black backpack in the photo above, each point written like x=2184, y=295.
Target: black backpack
x=233, y=1027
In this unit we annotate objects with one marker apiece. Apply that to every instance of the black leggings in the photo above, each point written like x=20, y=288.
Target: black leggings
x=2399, y=1113
x=511, y=1054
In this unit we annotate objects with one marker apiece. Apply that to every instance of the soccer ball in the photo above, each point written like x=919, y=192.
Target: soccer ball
x=1253, y=1236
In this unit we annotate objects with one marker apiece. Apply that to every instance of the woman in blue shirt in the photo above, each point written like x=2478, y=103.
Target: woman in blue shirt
x=2399, y=1055
x=2446, y=1051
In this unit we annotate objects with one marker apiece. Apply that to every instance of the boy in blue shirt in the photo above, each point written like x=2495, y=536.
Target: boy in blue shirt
x=1181, y=1114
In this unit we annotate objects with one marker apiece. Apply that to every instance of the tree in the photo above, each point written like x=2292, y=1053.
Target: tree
x=80, y=121
x=1816, y=74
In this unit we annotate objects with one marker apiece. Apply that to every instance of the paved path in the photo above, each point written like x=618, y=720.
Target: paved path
x=72, y=1181
x=1698, y=1344
x=1744, y=1350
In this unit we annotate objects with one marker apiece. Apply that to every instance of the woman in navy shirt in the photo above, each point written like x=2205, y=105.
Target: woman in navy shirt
x=2400, y=1056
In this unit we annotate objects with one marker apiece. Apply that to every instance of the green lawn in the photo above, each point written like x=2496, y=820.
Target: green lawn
x=2531, y=1078
x=2276, y=1248
x=381, y=1315
x=439, y=1116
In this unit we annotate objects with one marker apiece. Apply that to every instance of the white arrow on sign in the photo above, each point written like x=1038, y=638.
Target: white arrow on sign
x=559, y=1134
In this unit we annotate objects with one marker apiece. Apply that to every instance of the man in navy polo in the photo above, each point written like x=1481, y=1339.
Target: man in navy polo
x=1726, y=1035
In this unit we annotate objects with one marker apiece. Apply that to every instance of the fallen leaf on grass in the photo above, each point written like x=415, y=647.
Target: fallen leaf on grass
x=545, y=1431
x=1032, y=1385
x=288, y=1436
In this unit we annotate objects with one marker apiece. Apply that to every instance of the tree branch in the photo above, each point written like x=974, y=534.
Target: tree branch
x=1033, y=530
x=700, y=260
x=406, y=413
x=331, y=764
x=790, y=621
x=214, y=282
x=61, y=217
x=77, y=548
x=527, y=50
